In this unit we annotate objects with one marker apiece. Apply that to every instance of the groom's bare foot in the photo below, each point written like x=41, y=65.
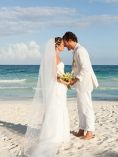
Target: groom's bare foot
x=89, y=135
x=78, y=134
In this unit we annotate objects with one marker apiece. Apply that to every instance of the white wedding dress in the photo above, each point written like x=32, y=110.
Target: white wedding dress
x=49, y=122
x=57, y=115
x=56, y=127
x=63, y=125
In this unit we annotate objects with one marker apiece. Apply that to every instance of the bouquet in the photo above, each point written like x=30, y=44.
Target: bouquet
x=67, y=77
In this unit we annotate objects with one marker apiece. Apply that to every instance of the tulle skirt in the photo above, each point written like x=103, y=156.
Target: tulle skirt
x=56, y=128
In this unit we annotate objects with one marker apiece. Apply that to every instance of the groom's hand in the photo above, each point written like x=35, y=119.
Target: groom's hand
x=72, y=82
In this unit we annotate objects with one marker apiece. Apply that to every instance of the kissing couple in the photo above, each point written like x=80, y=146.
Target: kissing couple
x=50, y=126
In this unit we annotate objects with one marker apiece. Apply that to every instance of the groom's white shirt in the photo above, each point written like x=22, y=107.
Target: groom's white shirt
x=83, y=70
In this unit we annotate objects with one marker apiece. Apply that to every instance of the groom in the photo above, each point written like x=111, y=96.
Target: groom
x=85, y=82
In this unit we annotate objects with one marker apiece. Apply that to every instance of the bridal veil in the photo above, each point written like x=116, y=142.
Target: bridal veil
x=36, y=144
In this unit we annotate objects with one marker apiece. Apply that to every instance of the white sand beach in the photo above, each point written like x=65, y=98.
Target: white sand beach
x=13, y=120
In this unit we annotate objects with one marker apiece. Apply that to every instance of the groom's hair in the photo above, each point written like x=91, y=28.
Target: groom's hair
x=70, y=35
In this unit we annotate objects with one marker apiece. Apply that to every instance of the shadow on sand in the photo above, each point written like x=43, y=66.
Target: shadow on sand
x=107, y=154
x=110, y=154
x=21, y=129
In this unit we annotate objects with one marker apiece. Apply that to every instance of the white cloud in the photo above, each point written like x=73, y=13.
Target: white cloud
x=17, y=20
x=105, y=1
x=111, y=1
x=97, y=20
x=20, y=53
x=87, y=21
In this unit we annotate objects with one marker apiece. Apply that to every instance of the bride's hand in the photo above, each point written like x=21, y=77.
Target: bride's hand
x=64, y=82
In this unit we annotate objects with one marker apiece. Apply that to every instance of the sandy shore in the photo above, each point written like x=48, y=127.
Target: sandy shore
x=13, y=120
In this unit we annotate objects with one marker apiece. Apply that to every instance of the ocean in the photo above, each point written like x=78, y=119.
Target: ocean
x=18, y=82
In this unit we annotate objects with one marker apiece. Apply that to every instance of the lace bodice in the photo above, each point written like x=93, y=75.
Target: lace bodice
x=60, y=68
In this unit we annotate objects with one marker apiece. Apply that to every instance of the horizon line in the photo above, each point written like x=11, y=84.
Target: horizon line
x=65, y=64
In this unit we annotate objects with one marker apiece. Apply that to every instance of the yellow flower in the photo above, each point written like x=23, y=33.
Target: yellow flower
x=68, y=76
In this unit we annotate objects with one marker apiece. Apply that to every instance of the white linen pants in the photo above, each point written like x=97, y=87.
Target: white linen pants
x=85, y=111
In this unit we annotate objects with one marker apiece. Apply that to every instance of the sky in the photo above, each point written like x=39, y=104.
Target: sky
x=26, y=25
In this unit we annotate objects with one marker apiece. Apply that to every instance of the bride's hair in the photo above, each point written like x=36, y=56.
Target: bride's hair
x=58, y=41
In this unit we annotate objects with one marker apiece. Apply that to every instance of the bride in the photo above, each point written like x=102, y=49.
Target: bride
x=49, y=122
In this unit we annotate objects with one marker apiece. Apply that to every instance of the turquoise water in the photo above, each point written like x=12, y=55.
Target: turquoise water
x=19, y=82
